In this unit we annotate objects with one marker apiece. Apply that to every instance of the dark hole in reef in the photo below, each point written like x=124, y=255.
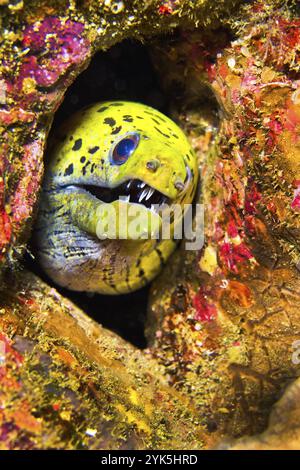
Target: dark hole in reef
x=124, y=314
x=124, y=72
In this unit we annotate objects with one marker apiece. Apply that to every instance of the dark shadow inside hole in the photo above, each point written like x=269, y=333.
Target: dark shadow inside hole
x=122, y=314
x=125, y=72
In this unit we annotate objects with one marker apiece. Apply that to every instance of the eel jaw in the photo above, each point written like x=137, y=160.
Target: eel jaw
x=88, y=209
x=131, y=191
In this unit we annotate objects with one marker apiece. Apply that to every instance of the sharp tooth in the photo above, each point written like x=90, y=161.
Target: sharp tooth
x=128, y=184
x=142, y=185
x=143, y=194
x=150, y=192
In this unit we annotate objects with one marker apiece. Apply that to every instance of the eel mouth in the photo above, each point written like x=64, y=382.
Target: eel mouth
x=134, y=191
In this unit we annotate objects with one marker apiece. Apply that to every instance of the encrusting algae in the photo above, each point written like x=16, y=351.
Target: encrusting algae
x=223, y=320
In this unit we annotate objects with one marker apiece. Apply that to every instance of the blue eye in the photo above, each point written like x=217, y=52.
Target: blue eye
x=124, y=148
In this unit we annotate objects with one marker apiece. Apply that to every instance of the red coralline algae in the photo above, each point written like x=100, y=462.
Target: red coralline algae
x=5, y=228
x=233, y=256
x=167, y=8
x=27, y=188
x=8, y=353
x=15, y=115
x=252, y=198
x=57, y=33
x=17, y=415
x=52, y=48
x=280, y=46
x=296, y=201
x=65, y=38
x=264, y=126
x=232, y=229
x=205, y=310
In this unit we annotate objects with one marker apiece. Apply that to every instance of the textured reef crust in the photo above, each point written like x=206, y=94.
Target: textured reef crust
x=222, y=321
x=69, y=384
x=283, y=430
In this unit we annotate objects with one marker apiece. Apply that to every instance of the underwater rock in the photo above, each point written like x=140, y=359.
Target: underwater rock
x=283, y=432
x=223, y=319
x=67, y=383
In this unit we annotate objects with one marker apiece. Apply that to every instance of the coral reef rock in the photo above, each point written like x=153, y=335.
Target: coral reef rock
x=224, y=319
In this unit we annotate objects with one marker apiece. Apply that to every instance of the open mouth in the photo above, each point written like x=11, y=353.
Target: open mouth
x=135, y=191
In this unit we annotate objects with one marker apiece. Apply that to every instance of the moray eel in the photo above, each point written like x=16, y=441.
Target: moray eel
x=105, y=152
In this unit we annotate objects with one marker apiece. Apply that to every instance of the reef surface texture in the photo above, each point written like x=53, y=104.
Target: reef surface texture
x=223, y=321
x=283, y=430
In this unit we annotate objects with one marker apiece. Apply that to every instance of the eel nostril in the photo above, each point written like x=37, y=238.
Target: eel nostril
x=179, y=185
x=153, y=165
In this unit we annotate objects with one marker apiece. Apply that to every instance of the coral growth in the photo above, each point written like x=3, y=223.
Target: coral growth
x=283, y=430
x=68, y=384
x=222, y=321
x=230, y=347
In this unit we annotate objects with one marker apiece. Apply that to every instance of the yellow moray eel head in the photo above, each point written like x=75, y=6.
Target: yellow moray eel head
x=119, y=155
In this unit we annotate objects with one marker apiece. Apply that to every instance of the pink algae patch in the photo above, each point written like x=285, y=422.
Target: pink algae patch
x=205, y=310
x=295, y=205
x=233, y=255
x=59, y=45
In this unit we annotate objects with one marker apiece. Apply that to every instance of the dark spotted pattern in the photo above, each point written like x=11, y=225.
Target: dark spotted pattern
x=155, y=116
x=104, y=108
x=161, y=258
x=69, y=170
x=156, y=121
x=110, y=121
x=162, y=133
x=93, y=149
x=116, y=130
x=85, y=167
x=77, y=144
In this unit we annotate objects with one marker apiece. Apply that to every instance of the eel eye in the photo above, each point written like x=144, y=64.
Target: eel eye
x=124, y=148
